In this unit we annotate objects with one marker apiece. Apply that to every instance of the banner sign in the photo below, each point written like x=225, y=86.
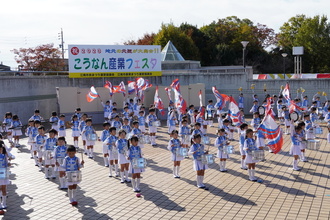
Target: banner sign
x=90, y=61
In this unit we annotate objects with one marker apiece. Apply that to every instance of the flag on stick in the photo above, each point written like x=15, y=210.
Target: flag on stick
x=286, y=92
x=200, y=98
x=131, y=87
x=109, y=86
x=234, y=112
x=158, y=102
x=176, y=85
x=272, y=132
x=168, y=93
x=221, y=98
x=92, y=94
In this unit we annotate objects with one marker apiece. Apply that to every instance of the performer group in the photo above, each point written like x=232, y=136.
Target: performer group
x=126, y=132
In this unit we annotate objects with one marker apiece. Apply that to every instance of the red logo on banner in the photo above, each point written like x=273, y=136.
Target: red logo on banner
x=75, y=50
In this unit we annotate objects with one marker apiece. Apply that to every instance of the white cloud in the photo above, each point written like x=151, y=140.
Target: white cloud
x=34, y=22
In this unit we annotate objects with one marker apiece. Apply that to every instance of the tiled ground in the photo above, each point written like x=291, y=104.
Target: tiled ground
x=284, y=194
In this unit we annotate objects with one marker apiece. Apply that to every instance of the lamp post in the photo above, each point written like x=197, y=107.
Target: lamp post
x=284, y=55
x=244, y=43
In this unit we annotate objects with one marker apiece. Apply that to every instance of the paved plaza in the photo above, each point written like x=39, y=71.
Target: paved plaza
x=284, y=193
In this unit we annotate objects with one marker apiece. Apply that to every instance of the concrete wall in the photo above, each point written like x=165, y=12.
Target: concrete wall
x=23, y=94
x=187, y=64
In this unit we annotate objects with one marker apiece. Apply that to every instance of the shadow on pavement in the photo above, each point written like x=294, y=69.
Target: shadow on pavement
x=86, y=205
x=224, y=195
x=15, y=203
x=152, y=165
x=160, y=199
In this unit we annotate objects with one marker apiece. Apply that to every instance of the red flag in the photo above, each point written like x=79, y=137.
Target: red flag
x=286, y=92
x=293, y=107
x=109, y=86
x=168, y=93
x=158, y=102
x=176, y=85
x=142, y=84
x=201, y=113
x=131, y=87
x=120, y=88
x=222, y=99
x=234, y=112
x=272, y=132
x=92, y=94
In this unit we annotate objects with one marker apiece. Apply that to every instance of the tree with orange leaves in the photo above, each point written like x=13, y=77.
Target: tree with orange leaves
x=41, y=58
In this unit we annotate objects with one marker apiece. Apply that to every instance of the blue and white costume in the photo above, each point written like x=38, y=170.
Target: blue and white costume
x=260, y=139
x=50, y=146
x=150, y=119
x=40, y=142
x=314, y=117
x=117, y=125
x=279, y=109
x=295, y=146
x=59, y=155
x=61, y=128
x=285, y=115
x=302, y=136
x=138, y=133
x=16, y=128
x=255, y=123
x=209, y=112
x=4, y=165
x=309, y=130
x=177, y=144
x=171, y=120
x=134, y=152
x=249, y=146
x=122, y=148
x=220, y=143
x=241, y=142
x=54, y=121
x=31, y=132
x=7, y=122
x=136, y=109
x=82, y=124
x=199, y=149
x=106, y=109
x=36, y=118
x=327, y=119
x=185, y=132
x=142, y=123
x=254, y=109
x=104, y=135
x=110, y=142
x=88, y=130
x=126, y=128
x=71, y=164
x=240, y=102
x=75, y=128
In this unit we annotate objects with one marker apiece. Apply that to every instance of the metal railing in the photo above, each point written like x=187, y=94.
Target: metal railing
x=202, y=70
x=34, y=73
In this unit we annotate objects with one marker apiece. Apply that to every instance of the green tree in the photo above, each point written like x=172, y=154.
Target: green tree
x=225, y=36
x=181, y=41
x=313, y=33
x=199, y=39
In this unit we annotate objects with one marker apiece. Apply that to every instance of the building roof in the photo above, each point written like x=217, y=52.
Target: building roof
x=4, y=67
x=170, y=53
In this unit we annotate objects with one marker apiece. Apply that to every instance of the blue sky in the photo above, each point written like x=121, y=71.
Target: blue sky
x=34, y=22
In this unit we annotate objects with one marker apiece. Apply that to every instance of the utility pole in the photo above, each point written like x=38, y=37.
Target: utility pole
x=60, y=36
